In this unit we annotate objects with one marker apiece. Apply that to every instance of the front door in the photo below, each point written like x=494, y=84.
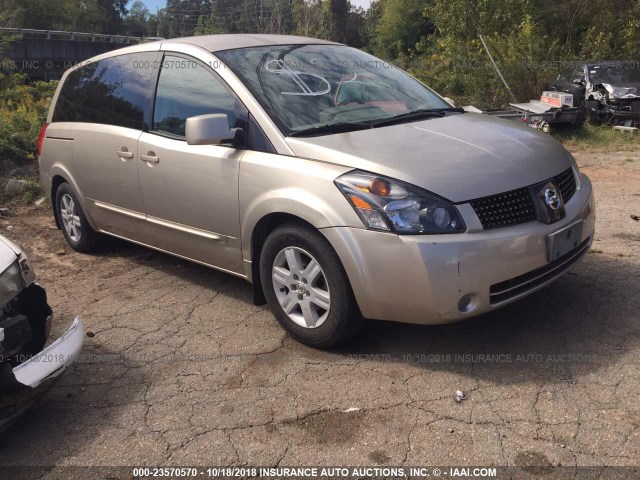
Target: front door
x=190, y=192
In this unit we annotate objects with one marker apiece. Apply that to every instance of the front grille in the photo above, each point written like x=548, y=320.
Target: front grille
x=516, y=206
x=504, y=209
x=566, y=181
x=503, y=291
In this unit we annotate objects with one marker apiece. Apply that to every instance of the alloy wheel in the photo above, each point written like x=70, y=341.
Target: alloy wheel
x=301, y=287
x=70, y=217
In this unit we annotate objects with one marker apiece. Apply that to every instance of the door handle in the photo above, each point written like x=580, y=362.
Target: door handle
x=150, y=157
x=124, y=153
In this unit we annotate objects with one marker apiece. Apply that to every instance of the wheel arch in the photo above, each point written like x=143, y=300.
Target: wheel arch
x=60, y=175
x=56, y=181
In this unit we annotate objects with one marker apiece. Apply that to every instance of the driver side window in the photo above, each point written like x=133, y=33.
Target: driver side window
x=188, y=89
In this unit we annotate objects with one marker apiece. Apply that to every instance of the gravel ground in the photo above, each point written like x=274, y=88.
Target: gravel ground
x=179, y=367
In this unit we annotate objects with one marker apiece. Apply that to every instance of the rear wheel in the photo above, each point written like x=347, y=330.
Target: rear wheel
x=75, y=227
x=307, y=287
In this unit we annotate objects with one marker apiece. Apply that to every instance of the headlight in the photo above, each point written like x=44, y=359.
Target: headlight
x=391, y=205
x=10, y=283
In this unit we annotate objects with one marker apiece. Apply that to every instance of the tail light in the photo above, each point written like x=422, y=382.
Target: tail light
x=43, y=132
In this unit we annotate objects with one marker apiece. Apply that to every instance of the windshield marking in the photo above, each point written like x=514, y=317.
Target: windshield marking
x=283, y=68
x=308, y=86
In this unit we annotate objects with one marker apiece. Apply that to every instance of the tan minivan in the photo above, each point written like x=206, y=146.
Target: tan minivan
x=338, y=185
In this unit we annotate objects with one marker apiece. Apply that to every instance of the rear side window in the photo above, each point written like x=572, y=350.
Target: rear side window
x=188, y=89
x=110, y=91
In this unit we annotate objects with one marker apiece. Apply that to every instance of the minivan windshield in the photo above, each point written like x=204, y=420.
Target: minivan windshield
x=614, y=74
x=329, y=88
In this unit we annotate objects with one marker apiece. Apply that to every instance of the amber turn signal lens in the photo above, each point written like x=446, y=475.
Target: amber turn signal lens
x=359, y=203
x=380, y=187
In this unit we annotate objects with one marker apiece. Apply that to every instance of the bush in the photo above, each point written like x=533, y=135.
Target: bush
x=32, y=192
x=462, y=70
x=23, y=111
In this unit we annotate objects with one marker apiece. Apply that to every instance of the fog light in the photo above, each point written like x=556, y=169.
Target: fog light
x=468, y=303
x=464, y=302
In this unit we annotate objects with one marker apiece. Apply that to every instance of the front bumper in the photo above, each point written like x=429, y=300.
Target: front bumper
x=421, y=278
x=54, y=359
x=32, y=378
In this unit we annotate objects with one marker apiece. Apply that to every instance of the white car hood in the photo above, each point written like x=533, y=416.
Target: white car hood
x=9, y=252
x=630, y=91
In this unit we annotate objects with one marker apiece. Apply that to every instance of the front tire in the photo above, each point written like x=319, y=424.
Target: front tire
x=307, y=288
x=73, y=222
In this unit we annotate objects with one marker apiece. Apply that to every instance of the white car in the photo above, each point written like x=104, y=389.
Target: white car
x=27, y=369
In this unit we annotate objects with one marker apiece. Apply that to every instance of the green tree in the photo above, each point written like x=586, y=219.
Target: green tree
x=466, y=19
x=207, y=25
x=401, y=25
x=311, y=18
x=137, y=20
x=97, y=16
x=180, y=17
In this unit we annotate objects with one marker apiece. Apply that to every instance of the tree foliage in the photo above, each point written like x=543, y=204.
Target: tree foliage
x=98, y=16
x=400, y=26
x=437, y=40
x=23, y=111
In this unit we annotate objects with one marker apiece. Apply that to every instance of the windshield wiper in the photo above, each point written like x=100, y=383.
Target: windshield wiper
x=351, y=127
x=329, y=129
x=416, y=114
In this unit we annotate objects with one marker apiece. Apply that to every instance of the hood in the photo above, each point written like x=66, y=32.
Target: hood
x=9, y=252
x=459, y=157
x=629, y=90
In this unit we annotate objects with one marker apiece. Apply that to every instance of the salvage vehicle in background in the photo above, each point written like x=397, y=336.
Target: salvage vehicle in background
x=609, y=91
x=338, y=185
x=27, y=369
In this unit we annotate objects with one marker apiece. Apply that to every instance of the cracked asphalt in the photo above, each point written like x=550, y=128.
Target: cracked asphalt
x=180, y=368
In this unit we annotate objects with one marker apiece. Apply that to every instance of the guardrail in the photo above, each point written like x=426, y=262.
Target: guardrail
x=62, y=35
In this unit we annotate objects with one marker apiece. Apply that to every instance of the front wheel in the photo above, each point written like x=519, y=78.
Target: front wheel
x=307, y=287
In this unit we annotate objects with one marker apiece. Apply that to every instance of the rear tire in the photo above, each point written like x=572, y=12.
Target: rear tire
x=302, y=274
x=73, y=222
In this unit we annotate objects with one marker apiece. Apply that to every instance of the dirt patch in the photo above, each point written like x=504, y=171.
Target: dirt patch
x=533, y=462
x=332, y=427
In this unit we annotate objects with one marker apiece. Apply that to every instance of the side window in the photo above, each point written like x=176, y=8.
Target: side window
x=188, y=89
x=68, y=107
x=110, y=91
x=567, y=75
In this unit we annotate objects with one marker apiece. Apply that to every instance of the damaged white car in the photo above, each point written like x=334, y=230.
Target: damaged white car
x=27, y=369
x=609, y=91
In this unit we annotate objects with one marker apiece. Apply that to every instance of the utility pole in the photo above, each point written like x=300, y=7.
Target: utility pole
x=513, y=97
x=338, y=20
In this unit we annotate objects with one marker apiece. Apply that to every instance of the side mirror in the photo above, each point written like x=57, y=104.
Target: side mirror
x=578, y=81
x=210, y=129
x=449, y=100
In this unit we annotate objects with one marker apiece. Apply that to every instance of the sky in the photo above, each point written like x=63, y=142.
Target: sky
x=153, y=4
